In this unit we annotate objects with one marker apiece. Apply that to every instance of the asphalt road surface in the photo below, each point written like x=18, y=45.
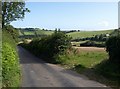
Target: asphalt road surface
x=37, y=73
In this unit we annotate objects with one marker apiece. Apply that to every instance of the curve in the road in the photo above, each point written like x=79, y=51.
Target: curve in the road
x=37, y=73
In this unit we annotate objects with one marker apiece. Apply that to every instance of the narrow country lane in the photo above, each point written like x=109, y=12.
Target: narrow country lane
x=37, y=73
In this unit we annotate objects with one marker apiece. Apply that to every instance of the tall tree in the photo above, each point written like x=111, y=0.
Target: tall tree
x=12, y=11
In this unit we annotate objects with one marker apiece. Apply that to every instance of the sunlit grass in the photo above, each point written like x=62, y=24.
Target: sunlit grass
x=84, y=58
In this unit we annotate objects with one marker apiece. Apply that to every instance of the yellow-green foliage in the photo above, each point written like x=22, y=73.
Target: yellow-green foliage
x=84, y=58
x=10, y=64
x=10, y=71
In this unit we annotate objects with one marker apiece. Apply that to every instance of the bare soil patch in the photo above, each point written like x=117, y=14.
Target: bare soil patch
x=90, y=49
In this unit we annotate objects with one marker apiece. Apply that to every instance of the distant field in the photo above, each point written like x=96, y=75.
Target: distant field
x=29, y=33
x=44, y=32
x=38, y=32
x=87, y=33
x=77, y=43
x=72, y=34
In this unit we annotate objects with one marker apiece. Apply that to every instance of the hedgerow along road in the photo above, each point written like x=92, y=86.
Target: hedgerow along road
x=37, y=73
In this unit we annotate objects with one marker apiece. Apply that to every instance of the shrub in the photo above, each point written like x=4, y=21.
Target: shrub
x=50, y=46
x=13, y=31
x=113, y=48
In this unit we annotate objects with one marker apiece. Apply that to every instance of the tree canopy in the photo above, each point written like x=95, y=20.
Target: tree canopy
x=12, y=11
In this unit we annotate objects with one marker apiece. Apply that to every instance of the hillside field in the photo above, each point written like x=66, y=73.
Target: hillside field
x=88, y=33
x=39, y=32
x=74, y=35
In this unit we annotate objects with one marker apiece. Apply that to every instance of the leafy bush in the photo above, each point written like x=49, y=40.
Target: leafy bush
x=109, y=70
x=50, y=46
x=13, y=31
x=113, y=48
x=10, y=64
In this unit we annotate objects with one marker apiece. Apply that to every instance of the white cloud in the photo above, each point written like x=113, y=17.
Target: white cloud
x=104, y=23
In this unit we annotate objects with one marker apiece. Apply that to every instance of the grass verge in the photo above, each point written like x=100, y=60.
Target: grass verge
x=94, y=64
x=10, y=62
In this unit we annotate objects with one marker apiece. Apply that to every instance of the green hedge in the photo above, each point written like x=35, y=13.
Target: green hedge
x=50, y=46
x=113, y=48
x=10, y=63
x=92, y=44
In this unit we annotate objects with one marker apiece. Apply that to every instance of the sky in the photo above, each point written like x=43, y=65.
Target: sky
x=70, y=16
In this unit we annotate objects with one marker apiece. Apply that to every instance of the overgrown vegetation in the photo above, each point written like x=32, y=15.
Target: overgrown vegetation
x=10, y=62
x=50, y=46
x=111, y=67
x=110, y=71
x=12, y=31
x=94, y=64
x=86, y=59
x=11, y=11
x=113, y=48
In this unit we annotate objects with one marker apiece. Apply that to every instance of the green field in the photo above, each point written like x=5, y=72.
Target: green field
x=88, y=59
x=93, y=64
x=75, y=35
x=39, y=32
x=29, y=33
x=44, y=32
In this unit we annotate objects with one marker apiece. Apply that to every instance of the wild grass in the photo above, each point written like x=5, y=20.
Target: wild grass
x=94, y=64
x=84, y=58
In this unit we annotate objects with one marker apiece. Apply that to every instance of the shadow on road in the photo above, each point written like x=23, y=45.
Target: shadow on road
x=27, y=58
x=36, y=65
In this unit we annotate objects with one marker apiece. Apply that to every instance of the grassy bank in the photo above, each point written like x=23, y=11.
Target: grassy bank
x=10, y=62
x=84, y=58
x=0, y=57
x=93, y=64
